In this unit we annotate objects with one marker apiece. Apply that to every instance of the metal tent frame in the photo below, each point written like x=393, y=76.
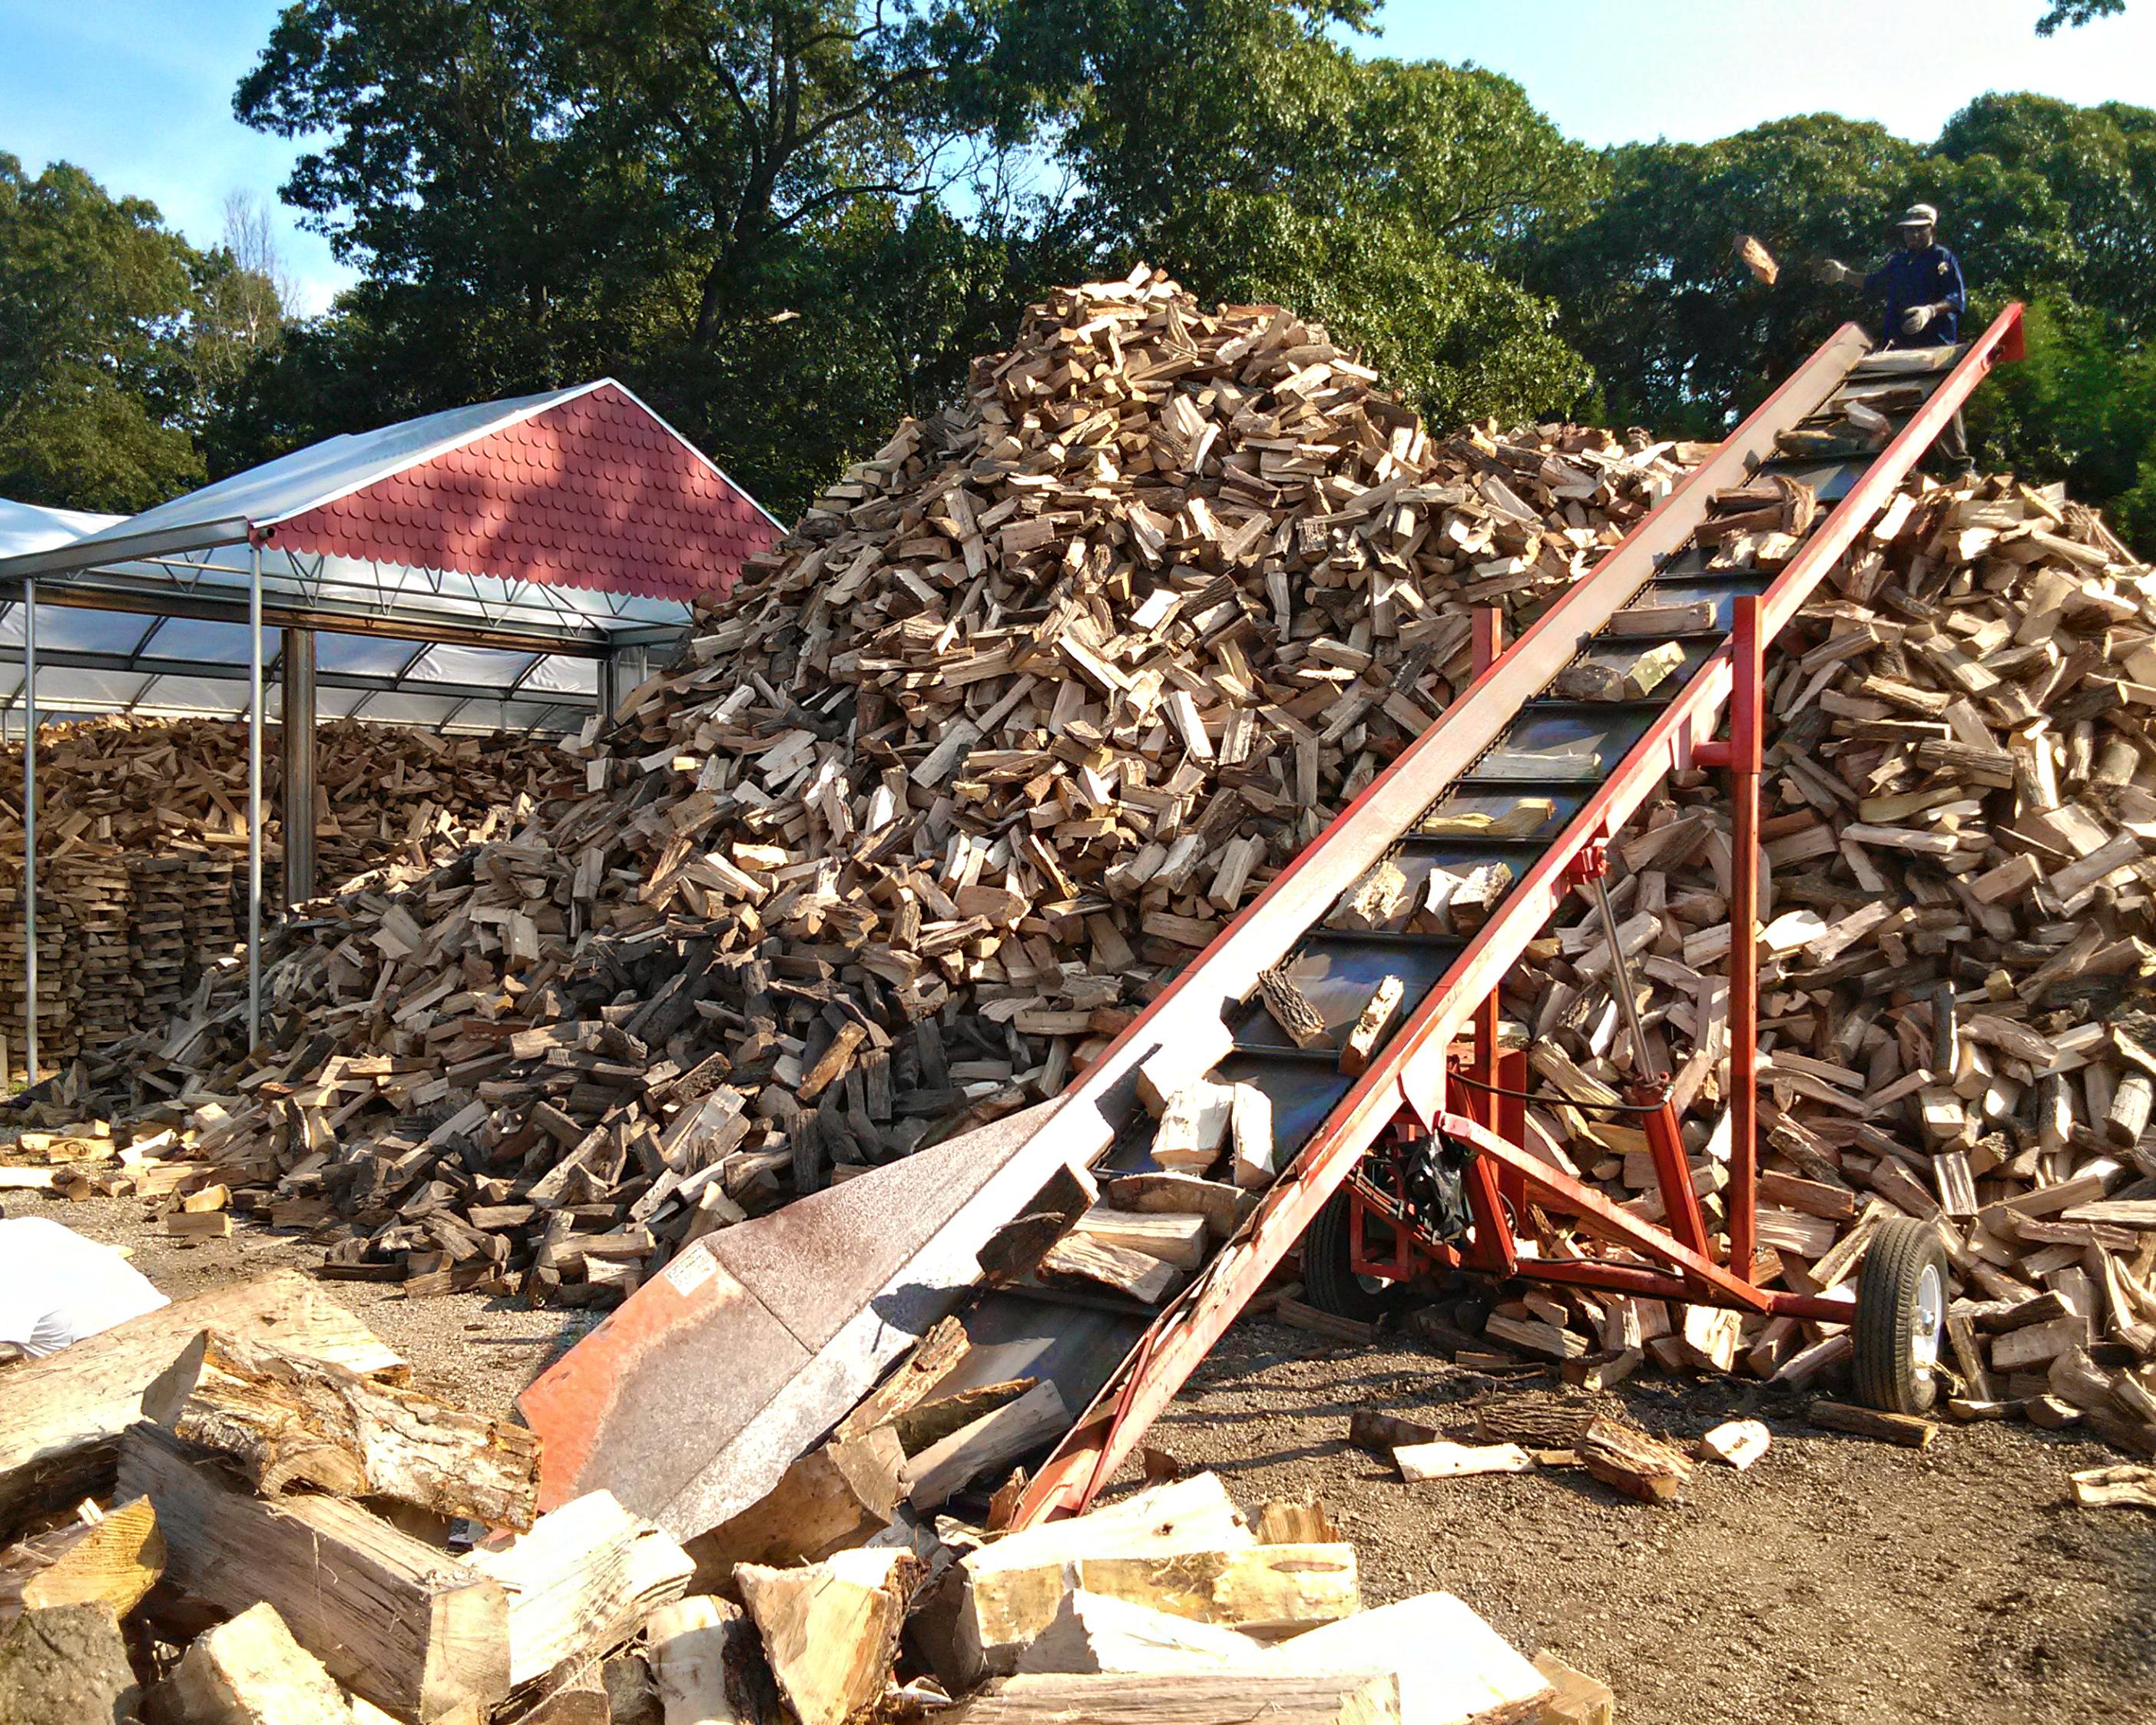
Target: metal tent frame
x=577, y=516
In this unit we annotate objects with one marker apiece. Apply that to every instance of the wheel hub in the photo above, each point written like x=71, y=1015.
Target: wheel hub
x=1929, y=1319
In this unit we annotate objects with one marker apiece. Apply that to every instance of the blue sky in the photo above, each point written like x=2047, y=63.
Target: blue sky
x=139, y=92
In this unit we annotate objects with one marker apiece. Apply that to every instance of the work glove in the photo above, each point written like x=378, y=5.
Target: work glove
x=1835, y=271
x=1917, y=319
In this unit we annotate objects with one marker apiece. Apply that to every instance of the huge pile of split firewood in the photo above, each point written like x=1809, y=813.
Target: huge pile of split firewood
x=994, y=743
x=236, y=1510
x=1031, y=702
x=1959, y=839
x=384, y=794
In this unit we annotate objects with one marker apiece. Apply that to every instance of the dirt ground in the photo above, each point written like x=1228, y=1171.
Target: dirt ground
x=477, y=1350
x=1837, y=1582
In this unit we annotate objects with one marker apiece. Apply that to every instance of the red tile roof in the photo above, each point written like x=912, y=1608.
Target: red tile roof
x=594, y=492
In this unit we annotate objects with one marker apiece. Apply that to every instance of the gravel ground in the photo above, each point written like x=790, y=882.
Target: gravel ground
x=477, y=1350
x=1837, y=1582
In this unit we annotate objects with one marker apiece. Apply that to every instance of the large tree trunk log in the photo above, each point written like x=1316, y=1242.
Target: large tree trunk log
x=61, y=1417
x=394, y=1618
x=285, y=1418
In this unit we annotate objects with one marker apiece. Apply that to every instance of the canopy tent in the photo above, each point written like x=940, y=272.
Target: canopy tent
x=162, y=666
x=502, y=564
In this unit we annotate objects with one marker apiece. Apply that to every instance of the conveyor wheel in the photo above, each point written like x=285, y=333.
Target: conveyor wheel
x=1901, y=1314
x=1328, y=1276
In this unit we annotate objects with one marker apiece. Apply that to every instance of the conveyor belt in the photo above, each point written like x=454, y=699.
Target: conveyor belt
x=691, y=1399
x=1504, y=751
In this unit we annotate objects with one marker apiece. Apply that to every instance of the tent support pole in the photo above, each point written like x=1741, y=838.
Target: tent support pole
x=298, y=806
x=29, y=832
x=609, y=688
x=253, y=793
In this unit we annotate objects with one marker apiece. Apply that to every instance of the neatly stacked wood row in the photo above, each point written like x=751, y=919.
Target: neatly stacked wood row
x=384, y=793
x=287, y=1530
x=1027, y=706
x=143, y=846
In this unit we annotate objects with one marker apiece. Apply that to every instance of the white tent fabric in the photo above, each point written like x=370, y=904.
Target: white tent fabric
x=102, y=661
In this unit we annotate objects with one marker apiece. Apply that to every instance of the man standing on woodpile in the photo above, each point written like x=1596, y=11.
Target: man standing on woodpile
x=1925, y=297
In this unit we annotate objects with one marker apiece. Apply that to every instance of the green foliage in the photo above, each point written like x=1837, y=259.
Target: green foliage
x=2073, y=13
x=1652, y=292
x=786, y=222
x=117, y=340
x=94, y=380
x=2081, y=407
x=2042, y=201
x=732, y=204
x=1255, y=158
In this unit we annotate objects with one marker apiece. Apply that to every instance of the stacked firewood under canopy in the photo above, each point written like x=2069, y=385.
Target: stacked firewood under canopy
x=142, y=851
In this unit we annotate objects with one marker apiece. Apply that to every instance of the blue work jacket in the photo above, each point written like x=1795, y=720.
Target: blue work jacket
x=1923, y=278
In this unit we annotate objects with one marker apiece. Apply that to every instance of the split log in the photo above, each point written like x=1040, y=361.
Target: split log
x=1903, y=1429
x=111, y=1558
x=395, y=1620
x=933, y=1476
x=581, y=1581
x=1264, y=1590
x=1250, y=1127
x=1628, y=1460
x=283, y=1418
x=838, y=1494
x=1222, y=1206
x=61, y=1419
x=1138, y=1275
x=707, y=1665
x=1452, y=1667
x=830, y=1630
x=911, y=1381
x=1296, y=1521
x=250, y=1672
x=1095, y=1633
x=1371, y=1023
x=1639, y=672
x=1580, y=1700
x=1010, y=1590
x=1381, y=1434
x=1739, y=1442
x=1176, y=1239
x=1187, y=1698
x=1419, y=1463
x=1291, y=1010
x=2116, y=1487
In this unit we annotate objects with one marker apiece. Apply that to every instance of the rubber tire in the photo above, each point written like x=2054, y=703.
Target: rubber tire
x=1330, y=1285
x=1883, y=1370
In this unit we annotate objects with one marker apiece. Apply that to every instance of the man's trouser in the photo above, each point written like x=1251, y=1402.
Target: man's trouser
x=1953, y=444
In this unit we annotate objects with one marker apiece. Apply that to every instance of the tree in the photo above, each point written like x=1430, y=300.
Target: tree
x=788, y=221
x=2073, y=13
x=96, y=382
x=1679, y=336
x=539, y=191
x=1239, y=145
